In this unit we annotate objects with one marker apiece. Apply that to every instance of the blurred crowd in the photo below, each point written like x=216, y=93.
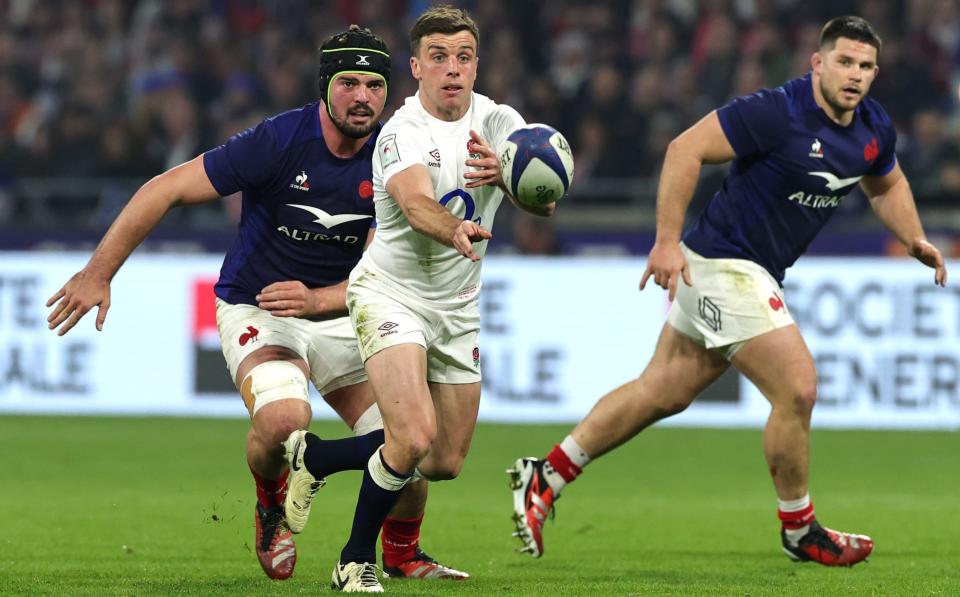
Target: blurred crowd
x=121, y=90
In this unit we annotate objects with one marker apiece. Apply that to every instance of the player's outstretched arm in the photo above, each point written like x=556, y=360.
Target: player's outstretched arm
x=489, y=172
x=412, y=189
x=892, y=201
x=703, y=143
x=90, y=287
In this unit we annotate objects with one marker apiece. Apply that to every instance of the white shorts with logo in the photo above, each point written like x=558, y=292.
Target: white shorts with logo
x=730, y=302
x=329, y=347
x=385, y=315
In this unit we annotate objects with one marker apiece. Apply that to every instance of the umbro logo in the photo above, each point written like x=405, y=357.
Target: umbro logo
x=300, y=182
x=435, y=154
x=362, y=60
x=388, y=326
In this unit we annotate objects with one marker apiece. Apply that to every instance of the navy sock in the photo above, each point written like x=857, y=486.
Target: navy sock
x=327, y=456
x=373, y=505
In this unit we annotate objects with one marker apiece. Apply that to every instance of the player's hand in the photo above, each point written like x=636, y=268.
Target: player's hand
x=289, y=299
x=488, y=165
x=465, y=235
x=930, y=256
x=82, y=292
x=667, y=265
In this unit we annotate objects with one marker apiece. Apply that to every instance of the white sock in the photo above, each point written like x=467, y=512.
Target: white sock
x=577, y=456
x=574, y=452
x=794, y=535
x=383, y=477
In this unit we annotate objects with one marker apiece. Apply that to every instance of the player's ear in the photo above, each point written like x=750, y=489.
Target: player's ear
x=415, y=67
x=816, y=62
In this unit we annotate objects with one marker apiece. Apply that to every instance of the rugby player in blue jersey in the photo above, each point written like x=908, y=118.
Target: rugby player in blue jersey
x=307, y=215
x=797, y=151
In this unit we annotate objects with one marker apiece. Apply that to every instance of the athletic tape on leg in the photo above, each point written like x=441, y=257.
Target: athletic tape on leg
x=276, y=380
x=381, y=476
x=369, y=421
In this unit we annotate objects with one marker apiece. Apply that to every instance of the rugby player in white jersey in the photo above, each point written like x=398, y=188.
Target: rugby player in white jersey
x=413, y=298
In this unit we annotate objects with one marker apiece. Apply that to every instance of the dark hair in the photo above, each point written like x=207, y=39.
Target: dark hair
x=441, y=19
x=850, y=27
x=355, y=50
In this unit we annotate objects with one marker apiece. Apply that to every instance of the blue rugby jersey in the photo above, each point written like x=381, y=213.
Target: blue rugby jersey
x=306, y=213
x=793, y=168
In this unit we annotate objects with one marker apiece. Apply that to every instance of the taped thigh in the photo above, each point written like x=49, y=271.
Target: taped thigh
x=370, y=420
x=272, y=381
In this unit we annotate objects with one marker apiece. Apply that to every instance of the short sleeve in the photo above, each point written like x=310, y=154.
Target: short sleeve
x=887, y=156
x=499, y=123
x=397, y=150
x=755, y=123
x=248, y=160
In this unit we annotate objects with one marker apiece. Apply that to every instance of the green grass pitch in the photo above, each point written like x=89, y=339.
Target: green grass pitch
x=161, y=506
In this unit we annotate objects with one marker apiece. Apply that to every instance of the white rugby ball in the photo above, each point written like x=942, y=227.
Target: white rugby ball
x=537, y=164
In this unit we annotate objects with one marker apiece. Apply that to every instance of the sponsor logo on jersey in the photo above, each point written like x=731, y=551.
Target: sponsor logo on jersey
x=816, y=149
x=833, y=183
x=388, y=328
x=298, y=234
x=435, y=154
x=328, y=220
x=300, y=182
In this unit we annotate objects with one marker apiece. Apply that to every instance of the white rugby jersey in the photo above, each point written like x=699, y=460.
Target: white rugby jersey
x=428, y=268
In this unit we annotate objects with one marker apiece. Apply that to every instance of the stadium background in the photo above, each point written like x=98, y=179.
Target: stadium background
x=96, y=96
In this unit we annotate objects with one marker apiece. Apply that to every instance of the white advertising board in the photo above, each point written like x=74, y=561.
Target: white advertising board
x=557, y=334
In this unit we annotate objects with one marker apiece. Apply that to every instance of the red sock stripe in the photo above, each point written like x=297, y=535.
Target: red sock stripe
x=798, y=519
x=270, y=492
x=559, y=460
x=399, y=539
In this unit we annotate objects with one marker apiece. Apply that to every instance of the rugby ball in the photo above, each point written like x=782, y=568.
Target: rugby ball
x=537, y=164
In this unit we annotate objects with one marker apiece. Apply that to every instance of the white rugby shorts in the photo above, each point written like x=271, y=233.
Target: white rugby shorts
x=730, y=302
x=385, y=315
x=329, y=347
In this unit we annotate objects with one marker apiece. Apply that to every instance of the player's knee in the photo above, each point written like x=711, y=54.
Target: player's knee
x=670, y=398
x=441, y=467
x=273, y=382
x=805, y=396
x=418, y=445
x=444, y=470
